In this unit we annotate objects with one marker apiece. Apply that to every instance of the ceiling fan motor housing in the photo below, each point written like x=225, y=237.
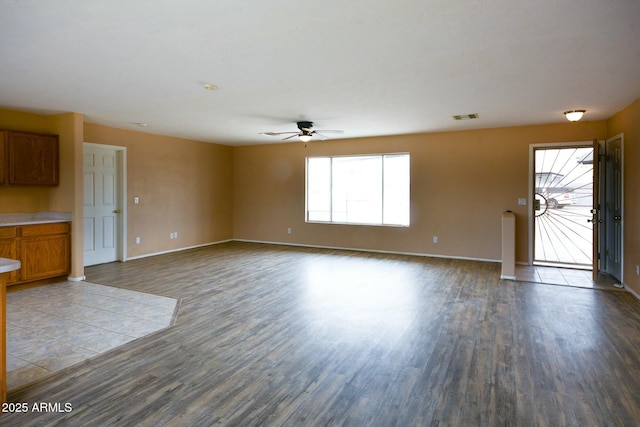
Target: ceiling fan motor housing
x=305, y=126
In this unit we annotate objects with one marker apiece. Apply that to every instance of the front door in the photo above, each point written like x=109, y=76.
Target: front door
x=613, y=208
x=101, y=208
x=563, y=188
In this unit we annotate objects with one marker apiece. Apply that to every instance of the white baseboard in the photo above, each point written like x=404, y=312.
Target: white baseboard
x=368, y=250
x=420, y=254
x=632, y=292
x=76, y=279
x=178, y=249
x=508, y=277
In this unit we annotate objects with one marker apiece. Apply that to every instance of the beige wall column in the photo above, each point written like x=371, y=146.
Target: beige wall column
x=68, y=196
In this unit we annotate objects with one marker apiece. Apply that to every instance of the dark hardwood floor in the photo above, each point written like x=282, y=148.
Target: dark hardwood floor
x=279, y=336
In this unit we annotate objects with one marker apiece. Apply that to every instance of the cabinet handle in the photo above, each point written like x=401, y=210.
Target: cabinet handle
x=116, y=211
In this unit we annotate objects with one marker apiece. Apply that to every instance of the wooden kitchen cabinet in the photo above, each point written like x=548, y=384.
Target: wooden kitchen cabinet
x=29, y=158
x=9, y=249
x=3, y=157
x=43, y=249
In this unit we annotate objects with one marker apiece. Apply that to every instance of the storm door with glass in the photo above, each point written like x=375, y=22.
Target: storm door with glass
x=564, y=208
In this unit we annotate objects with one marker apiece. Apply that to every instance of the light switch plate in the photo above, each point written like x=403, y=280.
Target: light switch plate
x=522, y=201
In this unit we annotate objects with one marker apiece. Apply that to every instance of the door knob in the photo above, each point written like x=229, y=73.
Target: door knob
x=116, y=211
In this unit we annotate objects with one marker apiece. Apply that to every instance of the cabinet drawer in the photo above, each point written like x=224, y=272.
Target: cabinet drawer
x=7, y=232
x=44, y=229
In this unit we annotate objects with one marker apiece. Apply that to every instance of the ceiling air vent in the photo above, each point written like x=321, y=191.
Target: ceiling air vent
x=466, y=116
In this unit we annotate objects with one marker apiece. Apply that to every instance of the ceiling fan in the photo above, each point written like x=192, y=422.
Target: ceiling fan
x=305, y=133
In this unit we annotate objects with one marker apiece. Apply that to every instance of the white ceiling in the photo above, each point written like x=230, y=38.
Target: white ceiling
x=374, y=67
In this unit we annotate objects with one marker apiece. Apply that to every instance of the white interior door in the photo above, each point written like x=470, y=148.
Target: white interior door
x=101, y=205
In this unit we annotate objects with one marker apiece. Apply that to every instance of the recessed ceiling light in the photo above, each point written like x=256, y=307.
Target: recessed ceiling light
x=209, y=86
x=466, y=116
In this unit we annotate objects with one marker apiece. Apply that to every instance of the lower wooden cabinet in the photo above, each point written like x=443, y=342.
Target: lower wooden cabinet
x=44, y=250
x=9, y=249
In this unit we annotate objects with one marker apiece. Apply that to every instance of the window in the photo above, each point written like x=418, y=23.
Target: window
x=359, y=189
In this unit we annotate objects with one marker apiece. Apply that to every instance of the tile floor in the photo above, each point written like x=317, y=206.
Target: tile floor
x=52, y=327
x=564, y=277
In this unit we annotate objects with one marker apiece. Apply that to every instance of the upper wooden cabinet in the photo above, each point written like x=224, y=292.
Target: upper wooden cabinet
x=29, y=159
x=3, y=157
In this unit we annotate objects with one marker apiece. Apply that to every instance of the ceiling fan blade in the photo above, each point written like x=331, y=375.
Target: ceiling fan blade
x=331, y=131
x=321, y=136
x=276, y=133
x=289, y=137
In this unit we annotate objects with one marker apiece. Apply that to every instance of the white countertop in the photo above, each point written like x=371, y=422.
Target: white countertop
x=33, y=218
x=7, y=265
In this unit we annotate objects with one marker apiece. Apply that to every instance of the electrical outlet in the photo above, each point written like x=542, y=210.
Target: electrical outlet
x=136, y=200
x=637, y=270
x=175, y=234
x=289, y=230
x=435, y=239
x=137, y=240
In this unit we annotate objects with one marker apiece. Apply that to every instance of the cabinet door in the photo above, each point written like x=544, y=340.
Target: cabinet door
x=9, y=249
x=32, y=158
x=46, y=256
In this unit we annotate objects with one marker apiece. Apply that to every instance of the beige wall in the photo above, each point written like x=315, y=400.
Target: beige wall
x=461, y=182
x=627, y=122
x=184, y=186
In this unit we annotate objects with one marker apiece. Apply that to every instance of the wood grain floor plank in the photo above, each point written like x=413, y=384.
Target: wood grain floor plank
x=282, y=336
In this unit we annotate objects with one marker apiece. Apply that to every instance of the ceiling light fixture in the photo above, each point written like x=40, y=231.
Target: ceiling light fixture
x=305, y=137
x=209, y=86
x=574, y=115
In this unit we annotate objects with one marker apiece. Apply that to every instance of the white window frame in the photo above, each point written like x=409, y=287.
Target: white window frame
x=382, y=206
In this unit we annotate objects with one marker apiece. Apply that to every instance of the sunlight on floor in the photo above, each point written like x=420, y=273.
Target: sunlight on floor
x=360, y=302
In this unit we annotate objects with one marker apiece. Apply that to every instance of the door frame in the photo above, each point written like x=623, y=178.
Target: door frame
x=604, y=244
x=530, y=190
x=121, y=178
